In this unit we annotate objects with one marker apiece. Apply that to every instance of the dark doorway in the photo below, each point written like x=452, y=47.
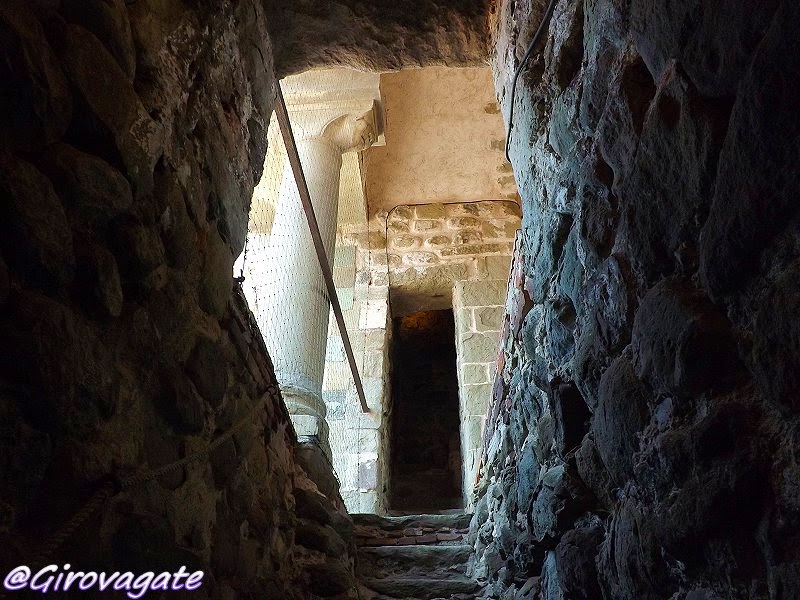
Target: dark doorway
x=426, y=447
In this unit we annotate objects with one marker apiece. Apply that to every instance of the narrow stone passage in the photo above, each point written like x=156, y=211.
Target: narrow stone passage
x=628, y=415
x=420, y=557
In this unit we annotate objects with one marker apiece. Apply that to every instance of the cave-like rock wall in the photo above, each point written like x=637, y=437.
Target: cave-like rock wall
x=131, y=137
x=382, y=35
x=644, y=439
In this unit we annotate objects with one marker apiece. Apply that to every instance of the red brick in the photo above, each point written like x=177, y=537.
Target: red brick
x=448, y=537
x=426, y=539
x=405, y=541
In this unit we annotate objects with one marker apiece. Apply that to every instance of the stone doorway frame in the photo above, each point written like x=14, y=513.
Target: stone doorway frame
x=459, y=259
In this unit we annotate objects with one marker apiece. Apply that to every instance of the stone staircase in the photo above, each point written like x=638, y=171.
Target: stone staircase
x=417, y=557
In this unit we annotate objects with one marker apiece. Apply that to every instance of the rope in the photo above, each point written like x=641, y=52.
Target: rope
x=113, y=486
x=240, y=278
x=545, y=19
x=54, y=542
x=145, y=477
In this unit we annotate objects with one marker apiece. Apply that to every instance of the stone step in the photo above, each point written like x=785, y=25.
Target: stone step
x=433, y=522
x=420, y=588
x=414, y=557
x=408, y=537
x=438, y=562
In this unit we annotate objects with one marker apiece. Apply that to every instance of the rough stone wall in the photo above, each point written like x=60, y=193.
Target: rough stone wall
x=433, y=246
x=643, y=440
x=378, y=36
x=131, y=136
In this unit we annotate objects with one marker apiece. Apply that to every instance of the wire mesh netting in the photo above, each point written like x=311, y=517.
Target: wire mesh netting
x=283, y=280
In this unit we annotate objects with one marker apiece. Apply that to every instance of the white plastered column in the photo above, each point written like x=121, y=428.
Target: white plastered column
x=296, y=323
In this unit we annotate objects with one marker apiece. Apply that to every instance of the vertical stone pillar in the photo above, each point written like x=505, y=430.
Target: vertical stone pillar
x=295, y=324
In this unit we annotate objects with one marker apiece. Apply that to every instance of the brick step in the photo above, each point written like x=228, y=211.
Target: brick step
x=439, y=562
x=419, y=588
x=419, y=557
x=435, y=522
x=441, y=530
x=410, y=539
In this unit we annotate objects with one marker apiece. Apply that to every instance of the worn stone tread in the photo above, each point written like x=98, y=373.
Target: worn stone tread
x=421, y=588
x=438, y=561
x=454, y=521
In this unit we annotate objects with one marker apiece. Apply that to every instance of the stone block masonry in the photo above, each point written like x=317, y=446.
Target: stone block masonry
x=433, y=247
x=428, y=256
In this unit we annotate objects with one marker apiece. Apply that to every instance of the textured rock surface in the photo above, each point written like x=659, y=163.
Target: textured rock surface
x=131, y=136
x=378, y=36
x=642, y=441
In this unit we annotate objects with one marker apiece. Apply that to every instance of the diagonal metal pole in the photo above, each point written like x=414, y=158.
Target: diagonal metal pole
x=305, y=198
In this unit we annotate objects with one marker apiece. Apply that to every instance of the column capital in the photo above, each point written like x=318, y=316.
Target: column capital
x=354, y=133
x=340, y=106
